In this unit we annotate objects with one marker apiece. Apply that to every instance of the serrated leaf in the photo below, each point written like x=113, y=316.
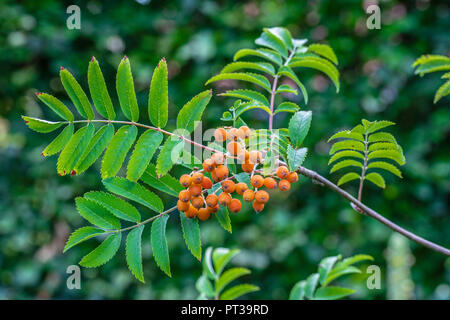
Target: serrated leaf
x=191, y=235
x=159, y=244
x=348, y=135
x=158, y=100
x=348, y=177
x=267, y=54
x=133, y=252
x=325, y=267
x=385, y=166
x=288, y=72
x=339, y=272
x=59, y=142
x=378, y=125
x=354, y=259
x=125, y=91
x=99, y=91
x=323, y=50
x=207, y=264
x=298, y=291
x=345, y=164
x=296, y=157
x=346, y=153
x=80, y=235
x=143, y=152
x=311, y=284
x=387, y=154
x=192, y=111
x=248, y=77
x=299, y=127
x=319, y=64
x=229, y=276
x=135, y=192
x=56, y=105
x=385, y=146
x=246, y=94
x=244, y=107
x=204, y=286
x=283, y=34
x=39, y=125
x=268, y=39
x=169, y=155
x=431, y=63
x=166, y=183
x=287, y=107
x=237, y=291
x=332, y=293
x=96, y=214
x=103, y=253
x=376, y=179
x=347, y=145
x=221, y=257
x=223, y=217
x=443, y=91
x=382, y=136
x=118, y=207
x=117, y=150
x=285, y=88
x=76, y=94
x=260, y=66
x=95, y=148
x=74, y=149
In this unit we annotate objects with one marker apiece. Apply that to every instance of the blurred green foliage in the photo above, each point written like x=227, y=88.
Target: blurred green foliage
x=286, y=241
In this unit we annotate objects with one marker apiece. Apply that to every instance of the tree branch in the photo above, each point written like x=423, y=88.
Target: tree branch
x=372, y=213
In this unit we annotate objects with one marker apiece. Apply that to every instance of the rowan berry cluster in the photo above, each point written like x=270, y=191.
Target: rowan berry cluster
x=193, y=202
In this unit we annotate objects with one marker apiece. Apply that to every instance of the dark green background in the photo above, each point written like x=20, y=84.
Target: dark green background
x=284, y=243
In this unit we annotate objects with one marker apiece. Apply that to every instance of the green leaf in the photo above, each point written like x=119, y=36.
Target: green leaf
x=347, y=134
x=332, y=293
x=311, y=284
x=323, y=50
x=143, y=152
x=237, y=291
x=191, y=235
x=260, y=66
x=285, y=88
x=223, y=217
x=248, y=77
x=95, y=148
x=103, y=253
x=96, y=214
x=159, y=244
x=431, y=63
x=158, y=100
x=245, y=94
x=267, y=54
x=99, y=91
x=354, y=259
x=388, y=154
x=166, y=183
x=348, y=177
x=443, y=91
x=74, y=149
x=268, y=39
x=325, y=267
x=346, y=153
x=133, y=252
x=76, y=94
x=382, y=136
x=221, y=257
x=135, y=192
x=339, y=272
x=56, y=105
x=345, y=164
x=296, y=157
x=347, y=144
x=192, y=111
x=229, y=276
x=118, y=207
x=319, y=64
x=288, y=72
x=39, y=125
x=378, y=125
x=117, y=150
x=207, y=264
x=298, y=291
x=287, y=107
x=385, y=166
x=125, y=91
x=80, y=235
x=204, y=286
x=376, y=179
x=283, y=34
x=170, y=153
x=249, y=106
x=299, y=127
x=60, y=141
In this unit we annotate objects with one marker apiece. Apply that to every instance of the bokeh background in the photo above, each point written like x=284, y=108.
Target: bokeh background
x=283, y=244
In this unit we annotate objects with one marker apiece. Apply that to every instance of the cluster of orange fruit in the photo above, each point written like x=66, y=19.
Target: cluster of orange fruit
x=193, y=202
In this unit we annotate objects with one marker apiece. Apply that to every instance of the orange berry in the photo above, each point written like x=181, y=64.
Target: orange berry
x=185, y=180
x=214, y=176
x=213, y=209
x=206, y=183
x=183, y=206
x=232, y=134
x=191, y=212
x=247, y=167
x=222, y=172
x=258, y=206
x=262, y=196
x=270, y=183
x=240, y=133
x=241, y=187
x=243, y=156
x=224, y=199
x=212, y=200
x=203, y=214
x=197, y=177
x=282, y=172
x=257, y=181
x=218, y=158
x=208, y=165
x=255, y=156
x=246, y=130
x=228, y=186
x=234, y=148
x=197, y=202
x=184, y=195
x=220, y=134
x=248, y=195
x=235, y=205
x=195, y=190
x=292, y=177
x=284, y=185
